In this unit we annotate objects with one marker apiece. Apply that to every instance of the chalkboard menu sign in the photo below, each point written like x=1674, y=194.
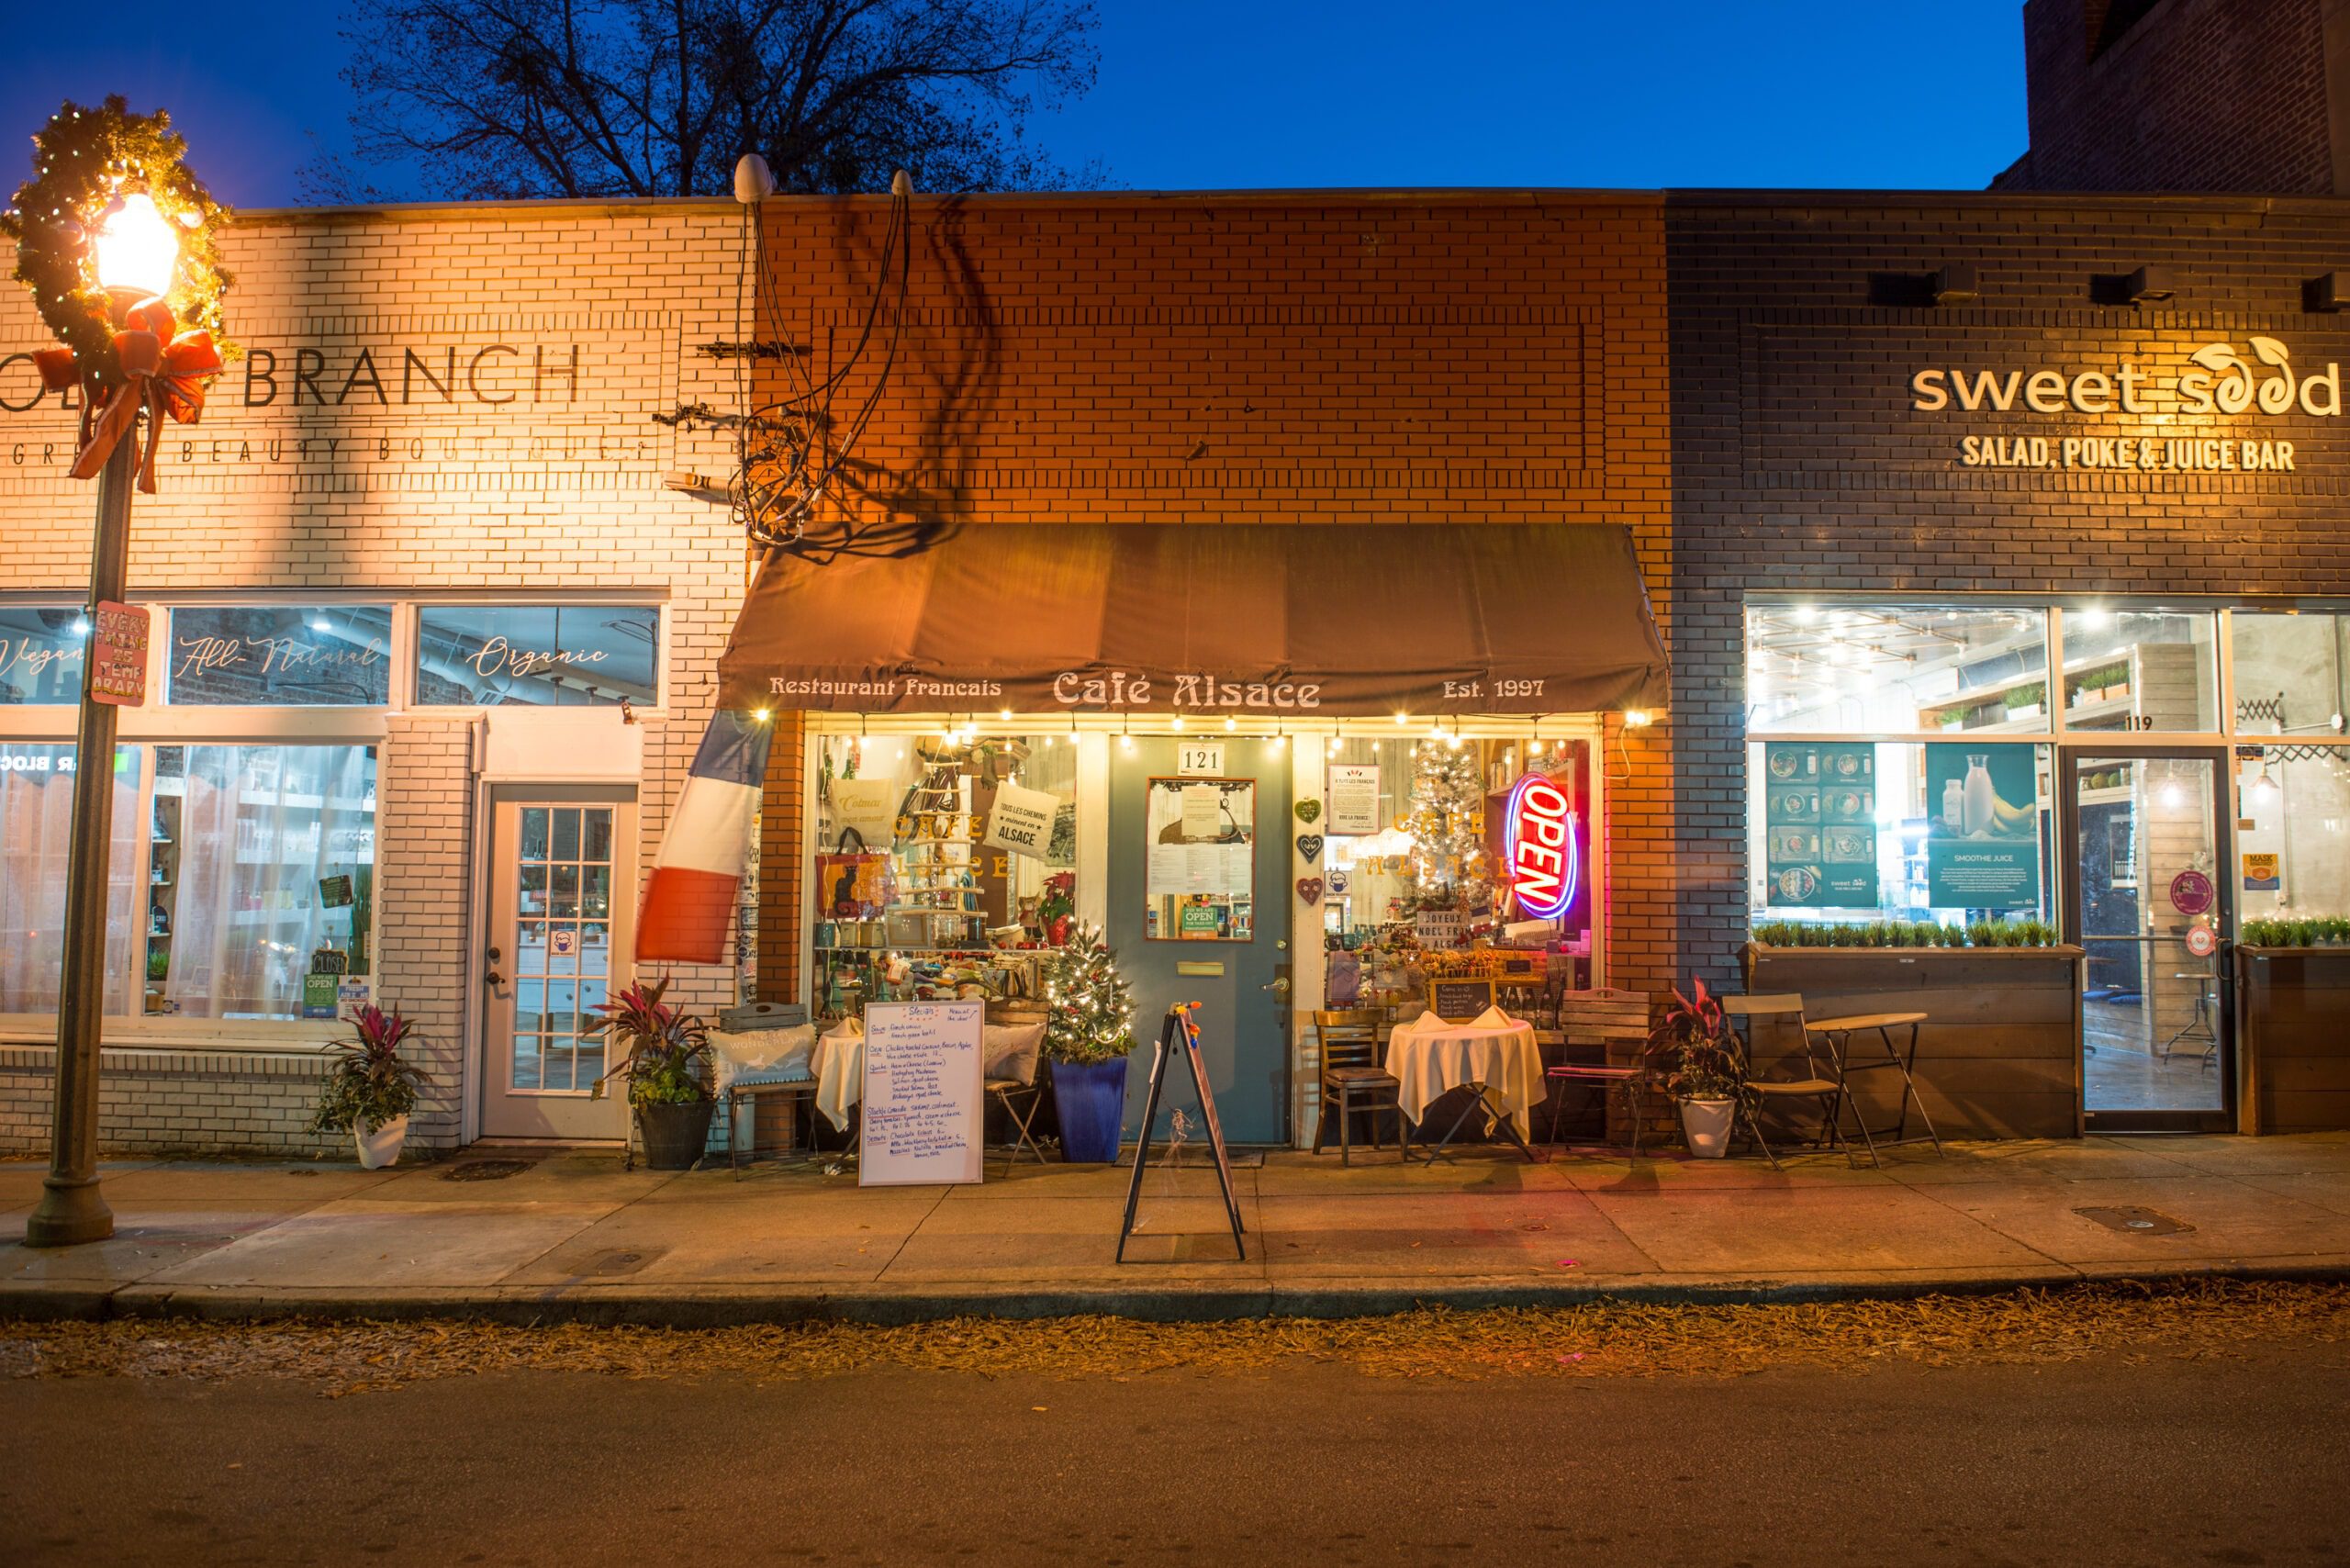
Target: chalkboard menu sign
x=1460, y=1001
x=921, y=1103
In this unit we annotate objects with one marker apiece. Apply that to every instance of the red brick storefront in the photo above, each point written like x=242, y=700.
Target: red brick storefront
x=1263, y=359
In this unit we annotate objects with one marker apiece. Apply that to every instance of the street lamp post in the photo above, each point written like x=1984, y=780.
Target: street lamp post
x=137, y=254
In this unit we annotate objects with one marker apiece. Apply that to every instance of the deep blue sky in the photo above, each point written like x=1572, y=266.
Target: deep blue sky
x=1203, y=94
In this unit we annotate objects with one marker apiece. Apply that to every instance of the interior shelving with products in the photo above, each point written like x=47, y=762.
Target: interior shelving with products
x=2151, y=685
x=927, y=910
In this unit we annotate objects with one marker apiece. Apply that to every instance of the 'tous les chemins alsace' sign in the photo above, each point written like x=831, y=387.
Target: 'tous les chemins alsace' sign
x=2219, y=383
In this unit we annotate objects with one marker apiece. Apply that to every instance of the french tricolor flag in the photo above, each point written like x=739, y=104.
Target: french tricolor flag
x=690, y=901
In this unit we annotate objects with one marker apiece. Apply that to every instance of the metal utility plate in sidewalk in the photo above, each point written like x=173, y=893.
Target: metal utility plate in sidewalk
x=2136, y=1221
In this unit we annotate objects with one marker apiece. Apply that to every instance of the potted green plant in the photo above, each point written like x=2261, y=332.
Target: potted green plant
x=1089, y=1030
x=1693, y=1044
x=371, y=1088
x=667, y=1069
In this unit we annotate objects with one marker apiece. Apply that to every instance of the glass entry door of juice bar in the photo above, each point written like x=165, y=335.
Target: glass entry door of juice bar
x=1199, y=907
x=2149, y=900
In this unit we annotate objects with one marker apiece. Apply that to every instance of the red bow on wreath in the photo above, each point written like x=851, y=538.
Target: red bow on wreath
x=162, y=372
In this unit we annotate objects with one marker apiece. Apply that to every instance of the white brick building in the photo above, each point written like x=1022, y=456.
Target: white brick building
x=440, y=445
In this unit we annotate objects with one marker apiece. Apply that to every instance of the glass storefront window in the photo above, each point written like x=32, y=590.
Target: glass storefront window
x=2136, y=669
x=548, y=655
x=2292, y=673
x=1895, y=669
x=2295, y=855
x=280, y=655
x=263, y=864
x=1947, y=831
x=40, y=654
x=940, y=865
x=36, y=826
x=1377, y=874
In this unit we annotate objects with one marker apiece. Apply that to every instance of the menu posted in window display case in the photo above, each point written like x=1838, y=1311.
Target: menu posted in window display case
x=1819, y=825
x=1353, y=791
x=1981, y=826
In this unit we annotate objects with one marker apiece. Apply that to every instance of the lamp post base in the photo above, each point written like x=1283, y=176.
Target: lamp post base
x=70, y=1214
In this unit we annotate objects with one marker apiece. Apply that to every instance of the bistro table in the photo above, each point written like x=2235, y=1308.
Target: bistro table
x=1839, y=1032
x=1494, y=1057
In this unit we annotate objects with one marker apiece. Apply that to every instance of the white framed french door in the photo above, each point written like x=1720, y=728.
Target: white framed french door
x=562, y=923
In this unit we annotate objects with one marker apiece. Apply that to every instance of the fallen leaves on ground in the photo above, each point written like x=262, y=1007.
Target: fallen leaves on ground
x=2186, y=1319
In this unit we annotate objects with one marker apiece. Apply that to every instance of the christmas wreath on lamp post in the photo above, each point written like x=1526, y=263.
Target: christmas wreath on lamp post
x=117, y=241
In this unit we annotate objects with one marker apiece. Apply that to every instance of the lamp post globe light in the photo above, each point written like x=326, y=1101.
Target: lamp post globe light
x=114, y=239
x=137, y=252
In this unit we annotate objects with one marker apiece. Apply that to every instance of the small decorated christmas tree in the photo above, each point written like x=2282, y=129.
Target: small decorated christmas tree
x=1091, y=1012
x=1447, y=822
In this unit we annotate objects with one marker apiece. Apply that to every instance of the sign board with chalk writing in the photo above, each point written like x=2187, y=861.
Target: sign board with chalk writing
x=1460, y=1001
x=921, y=1101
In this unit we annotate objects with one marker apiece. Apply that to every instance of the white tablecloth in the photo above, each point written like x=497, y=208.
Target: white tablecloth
x=1429, y=1056
x=838, y=1063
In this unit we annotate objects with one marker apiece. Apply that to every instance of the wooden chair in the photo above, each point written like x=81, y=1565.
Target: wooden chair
x=1616, y=1022
x=1828, y=1087
x=1350, y=1071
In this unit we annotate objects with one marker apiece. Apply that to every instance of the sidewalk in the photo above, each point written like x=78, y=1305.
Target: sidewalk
x=573, y=1237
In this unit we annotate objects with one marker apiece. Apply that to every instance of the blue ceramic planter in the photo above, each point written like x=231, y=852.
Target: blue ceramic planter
x=1091, y=1100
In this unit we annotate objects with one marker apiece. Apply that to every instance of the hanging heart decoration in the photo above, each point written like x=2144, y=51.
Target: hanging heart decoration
x=1310, y=889
x=1310, y=845
x=1308, y=810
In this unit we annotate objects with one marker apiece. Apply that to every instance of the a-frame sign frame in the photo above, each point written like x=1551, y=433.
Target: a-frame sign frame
x=1181, y=1033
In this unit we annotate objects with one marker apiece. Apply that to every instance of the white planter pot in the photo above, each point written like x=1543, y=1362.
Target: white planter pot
x=379, y=1147
x=1706, y=1124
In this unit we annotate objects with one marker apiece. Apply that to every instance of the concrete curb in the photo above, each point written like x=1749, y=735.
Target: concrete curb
x=719, y=1306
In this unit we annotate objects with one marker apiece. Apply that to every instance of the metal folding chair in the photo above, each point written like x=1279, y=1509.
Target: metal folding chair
x=1827, y=1088
x=1020, y=1097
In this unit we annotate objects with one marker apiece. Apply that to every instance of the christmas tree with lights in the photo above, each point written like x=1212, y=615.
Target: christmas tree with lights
x=1090, y=1012
x=1447, y=822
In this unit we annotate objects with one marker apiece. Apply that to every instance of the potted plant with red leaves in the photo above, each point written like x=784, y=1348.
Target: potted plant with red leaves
x=371, y=1088
x=668, y=1072
x=1701, y=1068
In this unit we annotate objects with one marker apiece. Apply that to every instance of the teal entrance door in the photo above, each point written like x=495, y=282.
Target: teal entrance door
x=1199, y=909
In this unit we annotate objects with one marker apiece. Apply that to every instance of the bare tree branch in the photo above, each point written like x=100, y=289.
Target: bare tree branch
x=502, y=98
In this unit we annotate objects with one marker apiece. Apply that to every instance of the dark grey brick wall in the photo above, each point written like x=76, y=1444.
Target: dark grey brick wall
x=1798, y=464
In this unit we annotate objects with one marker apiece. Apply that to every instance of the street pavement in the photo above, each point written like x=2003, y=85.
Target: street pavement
x=575, y=1236
x=2111, y=1459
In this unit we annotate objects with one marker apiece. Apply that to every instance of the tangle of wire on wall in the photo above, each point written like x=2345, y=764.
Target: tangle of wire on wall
x=791, y=454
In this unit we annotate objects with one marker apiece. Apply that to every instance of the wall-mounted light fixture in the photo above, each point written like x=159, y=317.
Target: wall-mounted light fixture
x=1952, y=283
x=2324, y=293
x=2148, y=284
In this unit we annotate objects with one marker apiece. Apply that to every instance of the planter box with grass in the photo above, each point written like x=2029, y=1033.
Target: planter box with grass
x=2293, y=1036
x=1999, y=1054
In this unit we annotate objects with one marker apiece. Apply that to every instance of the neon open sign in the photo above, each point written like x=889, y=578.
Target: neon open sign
x=1538, y=846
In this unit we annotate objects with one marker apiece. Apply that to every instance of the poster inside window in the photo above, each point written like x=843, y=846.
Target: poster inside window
x=1943, y=830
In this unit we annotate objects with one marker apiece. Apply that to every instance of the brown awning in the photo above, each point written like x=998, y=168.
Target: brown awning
x=1266, y=622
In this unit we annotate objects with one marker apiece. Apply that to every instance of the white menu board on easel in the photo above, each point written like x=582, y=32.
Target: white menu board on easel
x=921, y=1104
